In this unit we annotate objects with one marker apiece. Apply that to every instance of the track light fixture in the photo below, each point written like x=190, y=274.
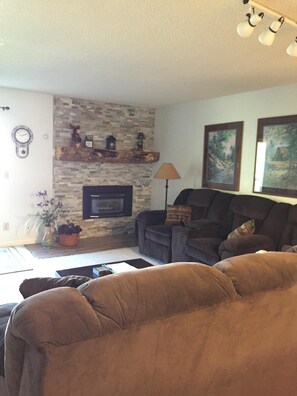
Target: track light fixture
x=267, y=38
x=246, y=28
x=292, y=49
x=4, y=108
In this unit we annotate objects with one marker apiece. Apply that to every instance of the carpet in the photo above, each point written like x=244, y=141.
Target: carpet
x=12, y=261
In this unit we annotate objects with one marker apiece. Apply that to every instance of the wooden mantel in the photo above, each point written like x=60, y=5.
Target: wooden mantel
x=84, y=154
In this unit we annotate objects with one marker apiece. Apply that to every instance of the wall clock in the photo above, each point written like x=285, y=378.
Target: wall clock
x=22, y=136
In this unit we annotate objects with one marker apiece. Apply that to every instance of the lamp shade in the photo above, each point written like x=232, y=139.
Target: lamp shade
x=246, y=28
x=167, y=172
x=267, y=38
x=292, y=49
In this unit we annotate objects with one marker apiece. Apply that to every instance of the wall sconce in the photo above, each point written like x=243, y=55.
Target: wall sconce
x=246, y=28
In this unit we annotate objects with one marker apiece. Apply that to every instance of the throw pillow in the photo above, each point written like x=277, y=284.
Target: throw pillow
x=32, y=286
x=177, y=214
x=289, y=249
x=245, y=229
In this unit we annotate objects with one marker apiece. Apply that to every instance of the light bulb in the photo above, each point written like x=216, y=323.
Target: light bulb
x=246, y=28
x=292, y=49
x=267, y=37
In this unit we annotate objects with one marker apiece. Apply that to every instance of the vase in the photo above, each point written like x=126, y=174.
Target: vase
x=48, y=239
x=68, y=240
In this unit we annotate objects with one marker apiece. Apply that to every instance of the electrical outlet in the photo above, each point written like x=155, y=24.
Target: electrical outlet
x=5, y=226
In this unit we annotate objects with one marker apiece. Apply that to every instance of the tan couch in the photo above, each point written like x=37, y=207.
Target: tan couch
x=177, y=330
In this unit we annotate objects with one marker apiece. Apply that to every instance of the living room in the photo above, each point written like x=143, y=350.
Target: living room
x=167, y=70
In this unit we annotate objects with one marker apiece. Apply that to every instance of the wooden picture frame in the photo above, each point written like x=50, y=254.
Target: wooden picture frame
x=276, y=156
x=222, y=156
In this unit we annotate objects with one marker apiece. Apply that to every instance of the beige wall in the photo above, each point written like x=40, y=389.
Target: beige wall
x=179, y=135
x=20, y=179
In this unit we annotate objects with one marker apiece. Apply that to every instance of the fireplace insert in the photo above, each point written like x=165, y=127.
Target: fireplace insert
x=107, y=201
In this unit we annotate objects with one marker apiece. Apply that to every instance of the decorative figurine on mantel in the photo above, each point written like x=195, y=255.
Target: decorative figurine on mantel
x=139, y=139
x=111, y=142
x=75, y=137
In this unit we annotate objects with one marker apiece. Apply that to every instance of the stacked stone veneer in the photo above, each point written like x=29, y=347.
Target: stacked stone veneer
x=101, y=120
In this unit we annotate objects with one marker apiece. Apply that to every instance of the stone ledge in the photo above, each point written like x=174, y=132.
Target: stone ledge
x=84, y=154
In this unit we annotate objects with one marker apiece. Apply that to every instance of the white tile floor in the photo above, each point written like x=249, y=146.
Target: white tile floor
x=9, y=284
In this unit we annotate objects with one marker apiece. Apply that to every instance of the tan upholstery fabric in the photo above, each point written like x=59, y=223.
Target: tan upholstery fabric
x=253, y=273
x=173, y=330
x=177, y=213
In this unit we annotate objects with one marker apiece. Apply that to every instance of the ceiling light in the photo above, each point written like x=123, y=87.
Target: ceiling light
x=246, y=28
x=267, y=38
x=292, y=49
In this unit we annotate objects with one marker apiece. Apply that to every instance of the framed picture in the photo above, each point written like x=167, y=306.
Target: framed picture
x=276, y=156
x=222, y=155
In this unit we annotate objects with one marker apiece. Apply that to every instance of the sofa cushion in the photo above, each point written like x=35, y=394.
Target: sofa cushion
x=178, y=213
x=246, y=228
x=253, y=273
x=200, y=201
x=5, y=311
x=159, y=233
x=32, y=286
x=132, y=298
x=204, y=249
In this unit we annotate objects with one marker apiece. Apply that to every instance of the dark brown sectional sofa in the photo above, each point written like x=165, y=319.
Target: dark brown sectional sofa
x=214, y=215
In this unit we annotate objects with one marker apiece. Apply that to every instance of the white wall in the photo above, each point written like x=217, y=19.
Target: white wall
x=179, y=136
x=20, y=179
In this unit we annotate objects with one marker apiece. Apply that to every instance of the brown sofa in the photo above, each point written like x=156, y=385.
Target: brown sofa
x=179, y=329
x=214, y=215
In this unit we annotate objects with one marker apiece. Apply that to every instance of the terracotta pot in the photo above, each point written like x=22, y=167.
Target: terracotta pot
x=68, y=240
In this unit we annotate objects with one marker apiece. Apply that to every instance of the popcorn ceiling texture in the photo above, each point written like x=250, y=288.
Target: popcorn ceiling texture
x=101, y=120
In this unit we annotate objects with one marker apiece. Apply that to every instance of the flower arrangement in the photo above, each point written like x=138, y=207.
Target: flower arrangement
x=50, y=209
x=69, y=228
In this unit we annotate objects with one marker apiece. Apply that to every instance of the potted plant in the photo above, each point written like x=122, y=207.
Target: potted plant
x=49, y=211
x=69, y=233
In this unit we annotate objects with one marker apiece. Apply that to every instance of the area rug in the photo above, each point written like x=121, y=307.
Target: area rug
x=12, y=261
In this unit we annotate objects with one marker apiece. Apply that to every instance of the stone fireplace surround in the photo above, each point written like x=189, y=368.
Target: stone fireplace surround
x=101, y=120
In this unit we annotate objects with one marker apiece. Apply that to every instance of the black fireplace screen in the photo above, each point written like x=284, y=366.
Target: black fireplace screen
x=107, y=201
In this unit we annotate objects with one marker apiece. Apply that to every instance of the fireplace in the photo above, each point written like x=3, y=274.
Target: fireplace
x=107, y=201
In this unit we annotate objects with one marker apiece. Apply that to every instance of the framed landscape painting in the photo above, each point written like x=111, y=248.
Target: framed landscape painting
x=222, y=155
x=276, y=156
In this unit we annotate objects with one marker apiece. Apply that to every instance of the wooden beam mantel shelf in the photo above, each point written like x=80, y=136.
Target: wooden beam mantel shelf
x=84, y=154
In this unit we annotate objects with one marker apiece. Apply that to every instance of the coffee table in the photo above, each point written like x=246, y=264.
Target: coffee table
x=88, y=270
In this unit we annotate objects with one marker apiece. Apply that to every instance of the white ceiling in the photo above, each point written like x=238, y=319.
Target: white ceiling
x=144, y=52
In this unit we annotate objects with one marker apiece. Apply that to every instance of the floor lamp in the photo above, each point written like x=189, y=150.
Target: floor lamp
x=167, y=172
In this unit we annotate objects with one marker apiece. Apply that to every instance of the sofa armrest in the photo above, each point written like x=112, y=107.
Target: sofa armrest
x=145, y=219
x=196, y=229
x=244, y=244
x=54, y=317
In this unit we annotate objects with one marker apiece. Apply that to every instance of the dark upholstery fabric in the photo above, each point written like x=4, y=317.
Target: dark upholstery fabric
x=32, y=286
x=275, y=223
x=220, y=206
x=5, y=311
x=204, y=250
x=182, y=197
x=200, y=201
x=160, y=234
x=245, y=244
x=289, y=234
